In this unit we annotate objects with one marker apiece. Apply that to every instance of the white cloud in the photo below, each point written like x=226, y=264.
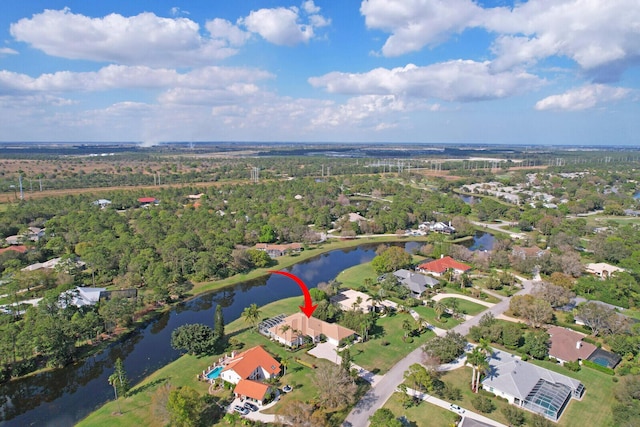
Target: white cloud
x=7, y=51
x=583, y=98
x=223, y=29
x=144, y=39
x=601, y=36
x=450, y=81
x=281, y=26
x=414, y=24
x=310, y=7
x=124, y=77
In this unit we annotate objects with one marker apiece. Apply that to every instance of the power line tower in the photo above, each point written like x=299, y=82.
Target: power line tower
x=255, y=174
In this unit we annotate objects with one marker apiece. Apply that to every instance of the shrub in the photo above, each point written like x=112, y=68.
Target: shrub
x=515, y=416
x=483, y=404
x=572, y=366
x=592, y=365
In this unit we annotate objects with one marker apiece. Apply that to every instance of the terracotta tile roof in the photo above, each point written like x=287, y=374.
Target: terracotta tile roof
x=253, y=389
x=567, y=345
x=16, y=248
x=147, y=199
x=443, y=264
x=245, y=363
x=310, y=327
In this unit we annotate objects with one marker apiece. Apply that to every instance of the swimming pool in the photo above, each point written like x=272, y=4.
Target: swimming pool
x=215, y=372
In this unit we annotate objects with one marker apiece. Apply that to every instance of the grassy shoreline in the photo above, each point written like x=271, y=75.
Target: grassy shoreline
x=173, y=369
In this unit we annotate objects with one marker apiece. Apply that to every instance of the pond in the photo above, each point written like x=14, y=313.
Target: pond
x=64, y=396
x=637, y=195
x=482, y=241
x=470, y=200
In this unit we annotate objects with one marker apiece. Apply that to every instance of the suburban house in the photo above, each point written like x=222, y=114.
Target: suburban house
x=441, y=227
x=247, y=369
x=440, y=266
x=353, y=300
x=50, y=265
x=14, y=248
x=523, y=252
x=567, y=345
x=32, y=233
x=602, y=269
x=147, y=201
x=103, y=203
x=81, y=297
x=529, y=386
x=275, y=251
x=292, y=330
x=417, y=283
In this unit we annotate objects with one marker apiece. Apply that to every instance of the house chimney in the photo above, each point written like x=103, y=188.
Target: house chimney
x=578, y=344
x=441, y=256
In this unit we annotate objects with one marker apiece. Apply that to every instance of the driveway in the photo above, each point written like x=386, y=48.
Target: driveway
x=328, y=351
x=376, y=397
x=439, y=297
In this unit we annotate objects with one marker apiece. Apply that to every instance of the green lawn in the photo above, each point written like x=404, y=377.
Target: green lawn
x=466, y=307
x=374, y=356
x=593, y=410
x=446, y=322
x=354, y=277
x=423, y=414
x=136, y=408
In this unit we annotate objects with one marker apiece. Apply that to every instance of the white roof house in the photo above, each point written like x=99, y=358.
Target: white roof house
x=81, y=297
x=529, y=386
x=602, y=269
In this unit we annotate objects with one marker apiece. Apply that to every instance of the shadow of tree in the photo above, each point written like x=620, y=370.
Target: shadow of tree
x=146, y=386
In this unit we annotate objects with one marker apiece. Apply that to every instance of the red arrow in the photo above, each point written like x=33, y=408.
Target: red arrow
x=308, y=308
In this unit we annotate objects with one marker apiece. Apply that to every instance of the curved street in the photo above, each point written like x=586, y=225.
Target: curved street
x=376, y=397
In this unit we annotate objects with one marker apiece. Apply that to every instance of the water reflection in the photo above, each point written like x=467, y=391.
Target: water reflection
x=64, y=396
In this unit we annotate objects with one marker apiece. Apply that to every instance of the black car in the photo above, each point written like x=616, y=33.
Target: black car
x=250, y=406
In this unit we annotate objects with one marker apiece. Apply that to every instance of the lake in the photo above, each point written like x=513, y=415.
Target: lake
x=64, y=396
x=482, y=241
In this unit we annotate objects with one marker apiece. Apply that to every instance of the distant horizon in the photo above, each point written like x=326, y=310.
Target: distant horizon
x=302, y=144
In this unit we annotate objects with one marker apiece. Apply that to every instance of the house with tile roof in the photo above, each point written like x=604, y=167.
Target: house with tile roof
x=247, y=369
x=293, y=330
x=440, y=266
x=14, y=248
x=279, y=250
x=417, y=283
x=567, y=345
x=529, y=386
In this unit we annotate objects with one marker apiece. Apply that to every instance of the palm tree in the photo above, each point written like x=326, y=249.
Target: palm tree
x=407, y=326
x=285, y=362
x=481, y=368
x=465, y=280
x=439, y=308
x=453, y=305
x=475, y=358
x=252, y=314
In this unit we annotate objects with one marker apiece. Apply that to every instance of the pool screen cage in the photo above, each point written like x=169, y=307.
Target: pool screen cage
x=548, y=399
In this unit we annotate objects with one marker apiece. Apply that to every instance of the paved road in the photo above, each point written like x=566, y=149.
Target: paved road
x=376, y=397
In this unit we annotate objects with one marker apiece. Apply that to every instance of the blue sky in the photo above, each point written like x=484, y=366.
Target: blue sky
x=434, y=71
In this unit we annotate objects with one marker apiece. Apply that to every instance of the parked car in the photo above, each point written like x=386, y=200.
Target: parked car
x=250, y=406
x=287, y=388
x=239, y=409
x=456, y=408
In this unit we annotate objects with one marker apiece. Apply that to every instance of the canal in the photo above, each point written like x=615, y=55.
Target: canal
x=64, y=396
